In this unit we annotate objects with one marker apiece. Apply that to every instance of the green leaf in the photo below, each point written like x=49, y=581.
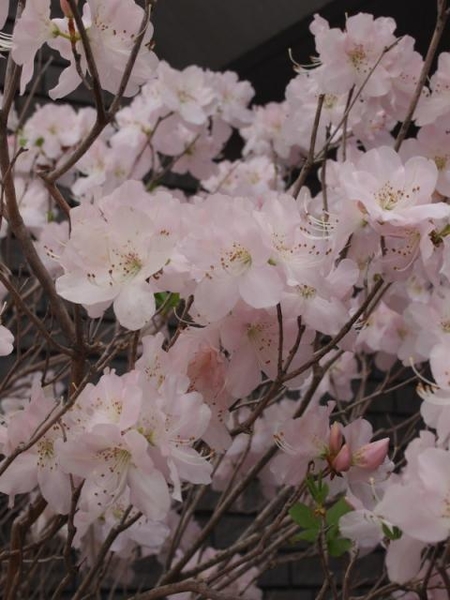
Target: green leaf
x=308, y=535
x=304, y=516
x=335, y=512
x=338, y=546
x=393, y=534
x=167, y=299
x=317, y=489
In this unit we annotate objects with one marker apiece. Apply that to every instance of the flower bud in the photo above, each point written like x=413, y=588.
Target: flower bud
x=372, y=455
x=343, y=460
x=336, y=438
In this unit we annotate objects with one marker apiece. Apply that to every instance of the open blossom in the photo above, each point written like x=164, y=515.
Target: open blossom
x=39, y=465
x=111, y=26
x=389, y=193
x=186, y=92
x=111, y=462
x=230, y=260
x=435, y=104
x=427, y=480
x=32, y=30
x=302, y=440
x=115, y=248
x=347, y=57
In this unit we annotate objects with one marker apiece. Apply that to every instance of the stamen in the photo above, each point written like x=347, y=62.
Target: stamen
x=420, y=376
x=6, y=42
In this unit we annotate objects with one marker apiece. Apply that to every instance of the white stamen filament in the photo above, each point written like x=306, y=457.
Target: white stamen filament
x=6, y=42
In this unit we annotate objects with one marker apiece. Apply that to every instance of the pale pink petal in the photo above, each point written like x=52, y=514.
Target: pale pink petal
x=149, y=493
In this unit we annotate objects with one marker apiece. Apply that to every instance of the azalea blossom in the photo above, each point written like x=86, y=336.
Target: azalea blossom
x=113, y=251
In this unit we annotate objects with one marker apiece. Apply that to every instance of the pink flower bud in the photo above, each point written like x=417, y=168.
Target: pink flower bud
x=343, y=460
x=65, y=7
x=372, y=455
x=336, y=438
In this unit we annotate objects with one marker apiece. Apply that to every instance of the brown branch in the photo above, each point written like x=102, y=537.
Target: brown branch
x=441, y=20
x=22, y=306
x=309, y=163
x=368, y=305
x=23, y=236
x=201, y=589
x=92, y=66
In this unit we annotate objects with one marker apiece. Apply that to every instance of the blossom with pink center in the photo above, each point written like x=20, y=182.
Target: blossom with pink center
x=198, y=354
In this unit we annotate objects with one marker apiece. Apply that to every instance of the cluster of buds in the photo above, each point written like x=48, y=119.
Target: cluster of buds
x=342, y=454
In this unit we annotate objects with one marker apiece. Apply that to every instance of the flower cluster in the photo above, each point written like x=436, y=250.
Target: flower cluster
x=246, y=301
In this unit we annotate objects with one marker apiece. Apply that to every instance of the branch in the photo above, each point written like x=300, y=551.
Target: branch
x=92, y=66
x=441, y=20
x=23, y=236
x=203, y=590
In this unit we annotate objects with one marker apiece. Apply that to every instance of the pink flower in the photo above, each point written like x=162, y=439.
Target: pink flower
x=371, y=456
x=39, y=465
x=346, y=57
x=427, y=481
x=32, y=30
x=302, y=440
x=230, y=260
x=111, y=461
x=389, y=193
x=115, y=248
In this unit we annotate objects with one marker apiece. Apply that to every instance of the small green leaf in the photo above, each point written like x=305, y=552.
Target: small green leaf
x=335, y=512
x=317, y=489
x=167, y=300
x=393, y=534
x=309, y=535
x=338, y=546
x=304, y=516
